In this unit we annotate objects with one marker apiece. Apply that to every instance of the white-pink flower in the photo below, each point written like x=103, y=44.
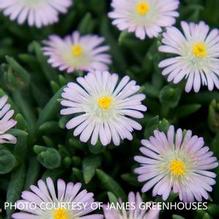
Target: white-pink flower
x=176, y=162
x=136, y=210
x=63, y=201
x=6, y=122
x=195, y=53
x=102, y=107
x=144, y=17
x=76, y=52
x=36, y=12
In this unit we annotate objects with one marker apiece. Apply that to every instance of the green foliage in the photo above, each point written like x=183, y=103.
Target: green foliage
x=177, y=217
x=48, y=157
x=112, y=197
x=15, y=186
x=170, y=96
x=213, y=116
x=110, y=184
x=89, y=167
x=7, y=161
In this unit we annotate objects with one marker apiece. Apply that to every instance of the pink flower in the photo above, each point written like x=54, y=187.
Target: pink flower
x=77, y=52
x=6, y=122
x=144, y=17
x=102, y=107
x=36, y=12
x=177, y=162
x=136, y=210
x=65, y=201
x=195, y=56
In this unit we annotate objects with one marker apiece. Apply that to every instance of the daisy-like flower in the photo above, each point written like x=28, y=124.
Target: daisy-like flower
x=196, y=55
x=103, y=108
x=36, y=12
x=6, y=122
x=177, y=162
x=136, y=211
x=144, y=17
x=77, y=52
x=65, y=201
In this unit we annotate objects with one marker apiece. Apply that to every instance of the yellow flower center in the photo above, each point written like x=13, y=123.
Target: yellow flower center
x=61, y=213
x=199, y=50
x=177, y=168
x=105, y=102
x=77, y=50
x=142, y=8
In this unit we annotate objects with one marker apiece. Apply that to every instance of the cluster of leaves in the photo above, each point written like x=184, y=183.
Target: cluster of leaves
x=45, y=148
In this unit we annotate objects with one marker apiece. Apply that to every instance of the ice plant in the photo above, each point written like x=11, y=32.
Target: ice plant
x=178, y=162
x=144, y=17
x=102, y=107
x=136, y=210
x=195, y=55
x=65, y=201
x=76, y=52
x=36, y=12
x=6, y=122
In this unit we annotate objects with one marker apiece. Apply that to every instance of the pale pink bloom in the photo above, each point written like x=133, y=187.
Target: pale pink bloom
x=36, y=12
x=6, y=122
x=136, y=210
x=144, y=17
x=102, y=107
x=76, y=52
x=176, y=162
x=47, y=200
x=195, y=55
